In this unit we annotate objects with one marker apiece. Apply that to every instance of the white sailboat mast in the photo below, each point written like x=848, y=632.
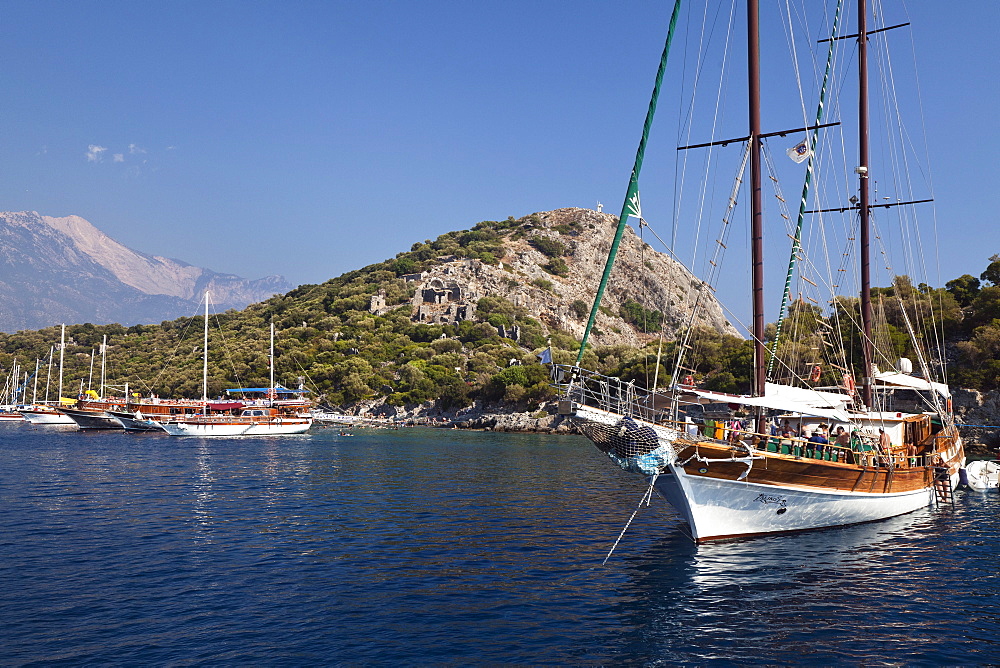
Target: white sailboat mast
x=204, y=371
x=62, y=350
x=273, y=391
x=104, y=359
x=48, y=374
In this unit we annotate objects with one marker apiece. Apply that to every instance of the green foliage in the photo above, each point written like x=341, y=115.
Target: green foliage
x=723, y=381
x=642, y=370
x=543, y=283
x=404, y=265
x=992, y=273
x=985, y=307
x=512, y=375
x=979, y=358
x=548, y=246
x=964, y=289
x=557, y=267
x=579, y=308
x=643, y=319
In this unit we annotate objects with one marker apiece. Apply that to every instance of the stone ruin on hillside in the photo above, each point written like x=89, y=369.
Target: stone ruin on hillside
x=446, y=294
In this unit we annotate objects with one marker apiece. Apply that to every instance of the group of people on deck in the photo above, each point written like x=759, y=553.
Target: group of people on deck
x=847, y=447
x=819, y=442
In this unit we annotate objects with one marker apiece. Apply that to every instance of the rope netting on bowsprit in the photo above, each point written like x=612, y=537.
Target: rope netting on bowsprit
x=633, y=446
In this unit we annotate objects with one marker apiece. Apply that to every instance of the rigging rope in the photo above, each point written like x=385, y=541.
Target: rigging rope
x=797, y=238
x=632, y=194
x=646, y=498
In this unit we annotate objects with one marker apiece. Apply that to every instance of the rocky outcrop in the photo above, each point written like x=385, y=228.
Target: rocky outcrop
x=529, y=422
x=543, y=419
x=978, y=417
x=448, y=291
x=66, y=270
x=640, y=274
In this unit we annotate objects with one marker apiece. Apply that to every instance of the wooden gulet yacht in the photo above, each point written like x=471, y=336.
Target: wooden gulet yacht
x=733, y=479
x=268, y=416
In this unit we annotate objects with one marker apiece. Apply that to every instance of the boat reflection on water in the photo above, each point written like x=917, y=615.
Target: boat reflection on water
x=901, y=589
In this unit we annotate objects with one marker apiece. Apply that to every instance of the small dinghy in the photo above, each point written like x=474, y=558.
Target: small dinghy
x=983, y=475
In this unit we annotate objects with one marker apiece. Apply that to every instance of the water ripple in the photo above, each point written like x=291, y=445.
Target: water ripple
x=430, y=547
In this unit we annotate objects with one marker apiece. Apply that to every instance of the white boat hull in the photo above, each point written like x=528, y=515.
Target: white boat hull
x=262, y=428
x=717, y=509
x=983, y=475
x=47, y=418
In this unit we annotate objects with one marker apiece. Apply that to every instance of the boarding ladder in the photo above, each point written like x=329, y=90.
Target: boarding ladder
x=942, y=486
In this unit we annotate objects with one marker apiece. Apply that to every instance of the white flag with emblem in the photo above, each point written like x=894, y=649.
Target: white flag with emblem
x=800, y=152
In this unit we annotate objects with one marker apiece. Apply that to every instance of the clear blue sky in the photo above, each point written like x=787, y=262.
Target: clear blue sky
x=311, y=138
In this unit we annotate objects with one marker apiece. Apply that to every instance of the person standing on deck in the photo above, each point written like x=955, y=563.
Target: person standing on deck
x=885, y=445
x=843, y=444
x=884, y=442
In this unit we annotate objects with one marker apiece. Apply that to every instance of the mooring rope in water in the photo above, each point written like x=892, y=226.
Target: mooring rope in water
x=646, y=498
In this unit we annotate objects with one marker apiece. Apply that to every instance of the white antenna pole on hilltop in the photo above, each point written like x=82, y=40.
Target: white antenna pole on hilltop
x=600, y=207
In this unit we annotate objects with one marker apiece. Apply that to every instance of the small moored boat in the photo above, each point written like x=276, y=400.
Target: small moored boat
x=982, y=475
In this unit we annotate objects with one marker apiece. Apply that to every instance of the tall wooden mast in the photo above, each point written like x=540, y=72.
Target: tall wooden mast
x=756, y=206
x=863, y=205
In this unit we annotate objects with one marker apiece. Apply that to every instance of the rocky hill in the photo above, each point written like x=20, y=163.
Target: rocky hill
x=550, y=264
x=66, y=270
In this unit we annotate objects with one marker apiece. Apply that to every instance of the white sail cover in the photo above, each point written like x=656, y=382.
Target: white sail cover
x=905, y=380
x=829, y=405
x=807, y=395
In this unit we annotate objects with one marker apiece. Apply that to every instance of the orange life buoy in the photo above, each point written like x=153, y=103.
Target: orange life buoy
x=689, y=380
x=816, y=373
x=849, y=383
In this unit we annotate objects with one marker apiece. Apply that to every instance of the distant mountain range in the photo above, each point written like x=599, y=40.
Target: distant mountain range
x=65, y=270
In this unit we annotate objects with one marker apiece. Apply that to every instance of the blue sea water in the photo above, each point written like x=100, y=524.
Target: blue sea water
x=428, y=546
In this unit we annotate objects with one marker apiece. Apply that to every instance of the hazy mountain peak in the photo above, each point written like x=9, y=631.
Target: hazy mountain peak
x=55, y=269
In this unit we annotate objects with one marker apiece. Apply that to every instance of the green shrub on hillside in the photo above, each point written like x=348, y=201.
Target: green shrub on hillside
x=557, y=267
x=643, y=319
x=547, y=246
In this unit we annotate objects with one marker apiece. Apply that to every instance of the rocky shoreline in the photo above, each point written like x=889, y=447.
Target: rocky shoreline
x=977, y=413
x=978, y=417
x=543, y=419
